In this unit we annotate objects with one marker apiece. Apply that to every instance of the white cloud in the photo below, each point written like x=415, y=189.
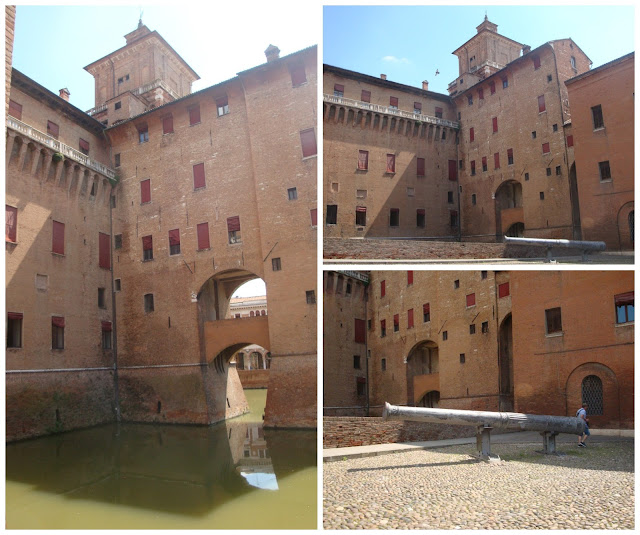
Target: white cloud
x=393, y=59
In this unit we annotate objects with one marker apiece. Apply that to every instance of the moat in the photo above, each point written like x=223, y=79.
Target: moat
x=233, y=475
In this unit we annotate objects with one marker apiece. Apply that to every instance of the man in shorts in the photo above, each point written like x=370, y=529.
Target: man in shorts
x=582, y=414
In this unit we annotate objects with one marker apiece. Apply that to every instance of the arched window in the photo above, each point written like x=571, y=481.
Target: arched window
x=631, y=224
x=592, y=394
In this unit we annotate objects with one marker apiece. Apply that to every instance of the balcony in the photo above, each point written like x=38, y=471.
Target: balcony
x=376, y=108
x=58, y=146
x=97, y=109
x=154, y=85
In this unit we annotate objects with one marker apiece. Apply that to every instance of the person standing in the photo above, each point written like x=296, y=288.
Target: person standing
x=582, y=414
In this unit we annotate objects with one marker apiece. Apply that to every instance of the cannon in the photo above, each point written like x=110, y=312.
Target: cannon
x=584, y=246
x=485, y=421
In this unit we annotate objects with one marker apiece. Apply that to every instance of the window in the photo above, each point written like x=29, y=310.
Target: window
x=462, y=358
x=104, y=250
x=361, y=216
x=356, y=362
x=363, y=160
x=298, y=75
x=117, y=285
x=426, y=313
x=445, y=335
x=472, y=328
x=548, y=171
x=311, y=297
x=14, y=329
x=147, y=248
x=145, y=191
x=471, y=300
x=222, y=103
x=167, y=124
x=338, y=90
x=558, y=170
x=83, y=145
x=553, y=318
x=542, y=195
x=194, y=115
x=57, y=245
x=510, y=156
x=365, y=96
x=394, y=217
x=472, y=135
x=106, y=335
x=533, y=134
x=473, y=167
x=359, y=331
x=117, y=241
x=143, y=133
x=592, y=394
x=598, y=119
x=383, y=364
x=53, y=129
x=199, y=176
x=383, y=328
x=148, y=303
x=308, y=141
x=174, y=242
x=396, y=323
x=450, y=197
x=11, y=223
x=361, y=386
x=117, y=105
x=484, y=163
x=496, y=160
x=470, y=100
x=101, y=299
x=420, y=217
x=393, y=103
x=15, y=109
x=624, y=307
x=573, y=63
x=417, y=108
x=494, y=123
x=555, y=127
x=473, y=199
x=485, y=327
x=453, y=170
x=453, y=218
x=439, y=113
x=202, y=230
x=483, y=275
x=505, y=83
x=503, y=290
x=549, y=78
x=116, y=159
x=409, y=278
x=569, y=141
x=292, y=193
x=410, y=318
x=332, y=214
x=57, y=332
x=605, y=170
x=456, y=284
x=480, y=94
x=382, y=288
x=391, y=163
x=492, y=87
x=536, y=62
x=526, y=176
x=541, y=104
x=276, y=264
x=314, y=217
x=420, y=171
x=233, y=228
x=545, y=148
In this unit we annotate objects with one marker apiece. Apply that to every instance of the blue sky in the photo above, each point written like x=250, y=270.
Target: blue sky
x=53, y=44
x=409, y=43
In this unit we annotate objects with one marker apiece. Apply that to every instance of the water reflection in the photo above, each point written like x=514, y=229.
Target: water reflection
x=181, y=470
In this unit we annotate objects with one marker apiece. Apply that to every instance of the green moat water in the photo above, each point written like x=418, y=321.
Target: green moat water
x=232, y=475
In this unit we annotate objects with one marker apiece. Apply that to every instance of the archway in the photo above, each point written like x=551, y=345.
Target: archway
x=505, y=365
x=430, y=399
x=422, y=371
x=508, y=208
x=597, y=384
x=515, y=231
x=625, y=220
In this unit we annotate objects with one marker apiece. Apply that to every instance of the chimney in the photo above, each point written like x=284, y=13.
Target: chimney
x=425, y=85
x=526, y=49
x=64, y=94
x=383, y=76
x=272, y=53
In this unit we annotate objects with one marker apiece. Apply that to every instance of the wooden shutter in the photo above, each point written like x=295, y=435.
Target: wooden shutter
x=417, y=106
x=308, y=141
x=15, y=110
x=393, y=101
x=203, y=236
x=314, y=217
x=58, y=321
x=194, y=115
x=167, y=124
x=410, y=318
x=106, y=327
x=472, y=134
x=484, y=162
x=420, y=166
x=147, y=243
x=492, y=87
x=359, y=331
x=221, y=102
x=480, y=94
x=496, y=160
x=298, y=75
x=495, y=124
x=503, y=290
x=453, y=170
x=624, y=299
x=510, y=154
x=11, y=223
x=198, y=176
x=57, y=245
x=421, y=211
x=396, y=321
x=14, y=315
x=473, y=167
x=84, y=146
x=471, y=300
x=339, y=88
x=569, y=141
x=409, y=277
x=145, y=191
x=426, y=309
x=382, y=288
x=53, y=129
x=363, y=160
x=536, y=62
x=366, y=96
x=545, y=148
x=233, y=223
x=174, y=237
x=541, y=104
x=104, y=253
x=391, y=163
x=438, y=112
x=383, y=325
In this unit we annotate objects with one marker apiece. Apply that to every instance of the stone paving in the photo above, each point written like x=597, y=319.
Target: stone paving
x=445, y=488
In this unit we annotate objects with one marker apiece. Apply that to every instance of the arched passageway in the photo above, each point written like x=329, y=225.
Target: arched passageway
x=505, y=365
x=508, y=208
x=423, y=369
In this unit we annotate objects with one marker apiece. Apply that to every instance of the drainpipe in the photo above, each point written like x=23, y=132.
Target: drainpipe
x=366, y=344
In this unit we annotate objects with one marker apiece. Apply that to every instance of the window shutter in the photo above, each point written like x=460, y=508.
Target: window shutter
x=233, y=223
x=198, y=176
x=104, y=250
x=58, y=321
x=383, y=324
x=11, y=220
x=15, y=110
x=58, y=238
x=438, y=112
x=106, y=327
x=298, y=75
x=167, y=125
x=221, y=102
x=496, y=160
x=421, y=211
x=361, y=209
x=391, y=163
x=417, y=106
x=492, y=87
x=308, y=141
x=503, y=290
x=545, y=148
x=53, y=129
x=453, y=170
x=471, y=299
x=473, y=167
x=314, y=217
x=510, y=154
x=84, y=145
x=393, y=101
x=541, y=105
x=339, y=88
x=147, y=243
x=426, y=309
x=472, y=134
x=363, y=160
x=624, y=299
x=409, y=277
x=382, y=288
x=203, y=236
x=409, y=318
x=495, y=124
x=14, y=315
x=536, y=62
x=569, y=141
x=480, y=94
x=359, y=331
x=145, y=191
x=420, y=166
x=366, y=96
x=194, y=115
x=174, y=237
x=396, y=320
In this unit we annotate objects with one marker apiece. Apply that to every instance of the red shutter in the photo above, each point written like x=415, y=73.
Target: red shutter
x=383, y=325
x=198, y=176
x=417, y=106
x=308, y=141
x=569, y=141
x=624, y=299
x=314, y=217
x=453, y=170
x=409, y=277
x=496, y=160
x=167, y=125
x=396, y=321
x=420, y=166
x=492, y=87
x=84, y=146
x=495, y=124
x=58, y=321
x=203, y=236
x=409, y=318
x=104, y=250
x=393, y=101
x=298, y=76
x=233, y=223
x=471, y=300
x=11, y=223
x=545, y=148
x=366, y=96
x=145, y=191
x=473, y=167
x=421, y=211
x=174, y=237
x=541, y=105
x=147, y=243
x=58, y=238
x=363, y=160
x=536, y=62
x=391, y=163
x=382, y=288
x=472, y=135
x=222, y=102
x=194, y=115
x=53, y=129
x=359, y=331
x=426, y=309
x=503, y=290
x=439, y=112
x=480, y=94
x=14, y=315
x=510, y=154
x=106, y=327
x=15, y=110
x=339, y=88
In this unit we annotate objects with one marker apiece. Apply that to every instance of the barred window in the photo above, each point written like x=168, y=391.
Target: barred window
x=592, y=395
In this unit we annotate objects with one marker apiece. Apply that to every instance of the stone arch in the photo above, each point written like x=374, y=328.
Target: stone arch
x=516, y=230
x=422, y=370
x=508, y=207
x=29, y=158
x=66, y=172
x=341, y=115
x=376, y=121
x=15, y=150
x=367, y=120
x=610, y=393
x=350, y=116
x=431, y=400
x=624, y=221
x=41, y=167
x=505, y=364
x=84, y=188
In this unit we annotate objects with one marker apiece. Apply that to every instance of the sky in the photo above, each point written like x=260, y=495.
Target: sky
x=251, y=288
x=409, y=43
x=53, y=44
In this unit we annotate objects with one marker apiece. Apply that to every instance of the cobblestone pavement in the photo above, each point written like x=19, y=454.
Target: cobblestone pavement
x=416, y=250
x=445, y=488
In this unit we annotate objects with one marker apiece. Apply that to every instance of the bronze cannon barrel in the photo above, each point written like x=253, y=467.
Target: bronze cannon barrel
x=497, y=420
